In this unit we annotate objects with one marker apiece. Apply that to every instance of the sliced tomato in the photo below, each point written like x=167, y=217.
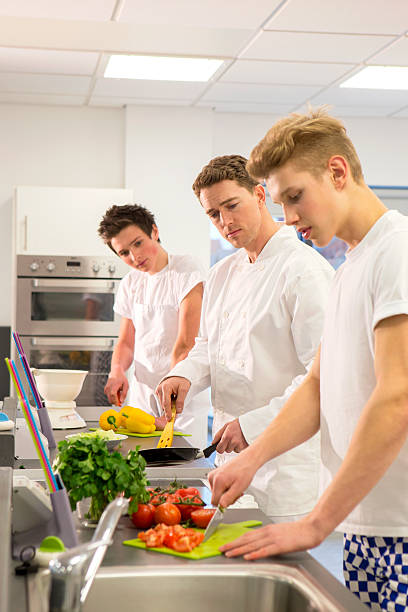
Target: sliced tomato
x=202, y=517
x=188, y=505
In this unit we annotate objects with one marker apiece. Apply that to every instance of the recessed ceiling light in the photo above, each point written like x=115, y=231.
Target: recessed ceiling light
x=379, y=77
x=155, y=68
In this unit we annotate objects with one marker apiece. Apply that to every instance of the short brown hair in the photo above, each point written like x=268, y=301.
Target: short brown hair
x=308, y=141
x=117, y=218
x=224, y=168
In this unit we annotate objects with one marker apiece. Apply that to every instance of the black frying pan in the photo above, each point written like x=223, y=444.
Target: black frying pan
x=175, y=454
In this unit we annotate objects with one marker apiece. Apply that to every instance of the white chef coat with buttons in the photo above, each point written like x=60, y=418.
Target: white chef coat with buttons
x=152, y=302
x=260, y=329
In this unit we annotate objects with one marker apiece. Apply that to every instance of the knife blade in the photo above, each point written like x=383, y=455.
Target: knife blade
x=214, y=523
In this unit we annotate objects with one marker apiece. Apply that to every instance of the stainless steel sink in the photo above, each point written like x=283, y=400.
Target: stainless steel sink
x=264, y=588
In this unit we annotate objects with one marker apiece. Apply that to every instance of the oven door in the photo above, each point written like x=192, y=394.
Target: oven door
x=92, y=354
x=66, y=307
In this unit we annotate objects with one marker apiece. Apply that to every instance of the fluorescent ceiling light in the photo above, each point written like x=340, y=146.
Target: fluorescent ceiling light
x=379, y=77
x=154, y=68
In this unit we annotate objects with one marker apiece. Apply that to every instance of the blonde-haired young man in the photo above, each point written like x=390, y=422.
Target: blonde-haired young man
x=357, y=390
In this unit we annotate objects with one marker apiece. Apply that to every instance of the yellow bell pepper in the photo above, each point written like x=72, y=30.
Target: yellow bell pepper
x=137, y=420
x=110, y=419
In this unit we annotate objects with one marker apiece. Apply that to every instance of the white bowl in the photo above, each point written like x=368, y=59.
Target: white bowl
x=59, y=385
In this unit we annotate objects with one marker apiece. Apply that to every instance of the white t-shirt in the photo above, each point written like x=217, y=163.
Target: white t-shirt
x=260, y=329
x=152, y=302
x=370, y=286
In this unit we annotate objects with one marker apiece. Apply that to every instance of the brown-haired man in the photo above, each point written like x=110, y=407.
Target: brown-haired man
x=261, y=324
x=357, y=389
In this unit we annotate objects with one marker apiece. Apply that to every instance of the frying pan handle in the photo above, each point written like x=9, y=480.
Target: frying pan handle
x=209, y=450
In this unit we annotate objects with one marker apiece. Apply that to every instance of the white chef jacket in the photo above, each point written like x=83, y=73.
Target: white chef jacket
x=152, y=302
x=370, y=286
x=260, y=328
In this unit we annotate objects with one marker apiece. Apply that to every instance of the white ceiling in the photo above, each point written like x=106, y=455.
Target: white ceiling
x=279, y=54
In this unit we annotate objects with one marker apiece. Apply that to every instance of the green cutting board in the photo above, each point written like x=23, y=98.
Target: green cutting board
x=156, y=433
x=225, y=533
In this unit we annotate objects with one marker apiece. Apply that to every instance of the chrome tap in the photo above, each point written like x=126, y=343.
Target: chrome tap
x=71, y=577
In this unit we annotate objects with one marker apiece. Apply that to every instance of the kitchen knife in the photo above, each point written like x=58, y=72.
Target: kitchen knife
x=214, y=523
x=166, y=439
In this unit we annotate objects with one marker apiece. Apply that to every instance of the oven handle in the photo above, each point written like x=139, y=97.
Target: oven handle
x=77, y=342
x=90, y=285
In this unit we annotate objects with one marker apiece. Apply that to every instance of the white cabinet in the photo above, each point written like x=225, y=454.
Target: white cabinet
x=62, y=220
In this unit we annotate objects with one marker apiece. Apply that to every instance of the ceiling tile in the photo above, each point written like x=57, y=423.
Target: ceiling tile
x=29, y=98
x=264, y=94
x=227, y=14
x=362, y=97
x=128, y=88
x=124, y=101
x=285, y=73
x=94, y=10
x=248, y=107
x=311, y=47
x=340, y=111
x=358, y=16
x=44, y=84
x=395, y=55
x=51, y=62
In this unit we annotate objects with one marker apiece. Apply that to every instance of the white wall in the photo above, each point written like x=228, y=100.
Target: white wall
x=165, y=149
x=381, y=143
x=54, y=146
x=157, y=151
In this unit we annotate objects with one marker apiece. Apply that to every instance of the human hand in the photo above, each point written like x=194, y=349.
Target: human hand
x=230, y=438
x=116, y=388
x=160, y=422
x=274, y=540
x=229, y=481
x=174, y=385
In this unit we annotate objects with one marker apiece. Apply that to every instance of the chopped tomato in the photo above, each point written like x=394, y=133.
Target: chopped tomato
x=168, y=514
x=175, y=537
x=202, y=517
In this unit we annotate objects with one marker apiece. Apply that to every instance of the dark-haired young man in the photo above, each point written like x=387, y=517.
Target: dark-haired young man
x=159, y=301
x=262, y=319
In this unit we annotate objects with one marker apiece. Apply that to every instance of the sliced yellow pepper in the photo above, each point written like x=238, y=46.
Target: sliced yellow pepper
x=110, y=419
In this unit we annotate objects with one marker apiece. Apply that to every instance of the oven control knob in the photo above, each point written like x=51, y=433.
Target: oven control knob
x=96, y=267
x=112, y=268
x=34, y=266
x=51, y=266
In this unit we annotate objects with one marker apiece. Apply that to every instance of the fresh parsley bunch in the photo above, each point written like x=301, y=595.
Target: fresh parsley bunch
x=88, y=469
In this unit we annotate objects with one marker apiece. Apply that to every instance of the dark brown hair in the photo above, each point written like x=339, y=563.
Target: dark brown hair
x=224, y=168
x=308, y=141
x=117, y=218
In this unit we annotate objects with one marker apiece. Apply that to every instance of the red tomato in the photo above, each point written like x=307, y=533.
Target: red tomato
x=168, y=514
x=144, y=516
x=187, y=542
x=188, y=505
x=158, y=498
x=202, y=517
x=188, y=492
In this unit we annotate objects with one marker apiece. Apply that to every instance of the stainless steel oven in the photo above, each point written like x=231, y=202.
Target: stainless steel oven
x=65, y=318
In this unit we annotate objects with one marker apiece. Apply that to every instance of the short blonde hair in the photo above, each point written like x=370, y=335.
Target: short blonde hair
x=308, y=141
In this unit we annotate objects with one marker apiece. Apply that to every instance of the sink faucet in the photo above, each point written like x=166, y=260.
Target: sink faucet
x=69, y=586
